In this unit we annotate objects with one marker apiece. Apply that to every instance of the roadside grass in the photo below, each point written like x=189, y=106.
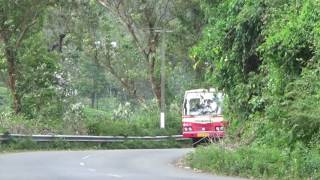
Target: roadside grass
x=258, y=162
x=19, y=124
x=139, y=123
x=88, y=121
x=93, y=122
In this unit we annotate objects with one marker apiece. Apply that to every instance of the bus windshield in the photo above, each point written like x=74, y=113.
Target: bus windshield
x=199, y=102
x=199, y=106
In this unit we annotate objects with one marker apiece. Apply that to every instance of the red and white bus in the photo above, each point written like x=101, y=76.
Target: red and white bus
x=202, y=114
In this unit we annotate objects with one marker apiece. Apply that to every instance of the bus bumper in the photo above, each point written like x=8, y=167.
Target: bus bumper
x=202, y=134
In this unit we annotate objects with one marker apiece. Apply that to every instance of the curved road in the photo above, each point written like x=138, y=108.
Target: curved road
x=150, y=164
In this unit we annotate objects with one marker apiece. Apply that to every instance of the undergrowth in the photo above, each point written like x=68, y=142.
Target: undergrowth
x=258, y=162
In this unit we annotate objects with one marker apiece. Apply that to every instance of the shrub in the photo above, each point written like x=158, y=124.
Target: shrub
x=73, y=120
x=143, y=120
x=260, y=161
x=19, y=124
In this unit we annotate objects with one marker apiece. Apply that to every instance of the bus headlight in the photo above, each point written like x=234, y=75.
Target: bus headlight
x=190, y=128
x=219, y=128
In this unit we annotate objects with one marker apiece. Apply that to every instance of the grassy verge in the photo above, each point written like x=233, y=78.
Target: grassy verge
x=87, y=121
x=258, y=162
x=140, y=123
x=27, y=144
x=93, y=122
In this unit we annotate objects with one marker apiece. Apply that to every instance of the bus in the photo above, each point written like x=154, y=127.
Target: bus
x=202, y=115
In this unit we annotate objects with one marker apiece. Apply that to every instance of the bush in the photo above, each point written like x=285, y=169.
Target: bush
x=142, y=121
x=19, y=124
x=73, y=120
x=259, y=162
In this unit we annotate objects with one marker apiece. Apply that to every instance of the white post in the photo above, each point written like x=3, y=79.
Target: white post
x=162, y=88
x=162, y=120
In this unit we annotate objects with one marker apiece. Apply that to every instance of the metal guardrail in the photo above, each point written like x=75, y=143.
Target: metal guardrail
x=80, y=138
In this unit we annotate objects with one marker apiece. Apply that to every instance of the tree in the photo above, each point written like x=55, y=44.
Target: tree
x=264, y=56
x=19, y=20
x=37, y=84
x=142, y=20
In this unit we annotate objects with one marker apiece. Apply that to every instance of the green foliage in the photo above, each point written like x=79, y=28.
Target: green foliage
x=73, y=120
x=264, y=55
x=142, y=121
x=265, y=162
x=87, y=69
x=4, y=99
x=19, y=124
x=228, y=52
x=83, y=120
x=17, y=18
x=38, y=85
x=122, y=112
x=300, y=107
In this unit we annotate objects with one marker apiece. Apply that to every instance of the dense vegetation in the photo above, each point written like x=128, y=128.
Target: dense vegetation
x=265, y=56
x=93, y=67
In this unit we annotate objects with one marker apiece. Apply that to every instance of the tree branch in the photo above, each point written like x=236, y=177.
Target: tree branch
x=24, y=31
x=123, y=81
x=162, y=15
x=115, y=9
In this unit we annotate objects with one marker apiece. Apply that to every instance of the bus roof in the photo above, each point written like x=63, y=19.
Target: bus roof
x=200, y=90
x=204, y=93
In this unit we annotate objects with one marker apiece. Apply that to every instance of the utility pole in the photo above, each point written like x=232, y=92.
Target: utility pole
x=163, y=82
x=163, y=77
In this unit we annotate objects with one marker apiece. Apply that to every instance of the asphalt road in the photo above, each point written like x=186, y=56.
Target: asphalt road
x=99, y=165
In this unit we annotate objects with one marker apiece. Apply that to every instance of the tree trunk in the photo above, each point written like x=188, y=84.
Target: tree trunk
x=93, y=99
x=12, y=75
x=156, y=89
x=155, y=85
